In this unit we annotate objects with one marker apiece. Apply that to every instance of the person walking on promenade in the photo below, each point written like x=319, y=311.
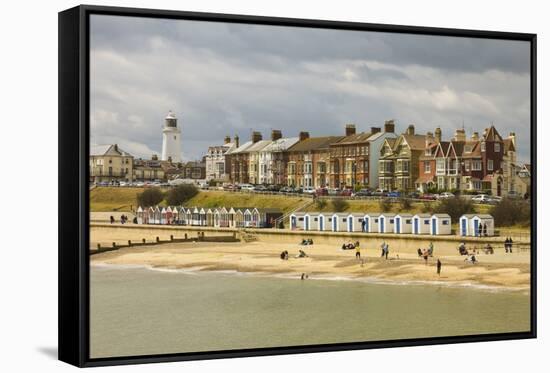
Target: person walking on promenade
x=112, y=219
x=438, y=267
x=506, y=244
x=510, y=243
x=485, y=229
x=363, y=225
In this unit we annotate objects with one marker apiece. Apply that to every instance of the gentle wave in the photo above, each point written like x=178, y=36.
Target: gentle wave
x=198, y=270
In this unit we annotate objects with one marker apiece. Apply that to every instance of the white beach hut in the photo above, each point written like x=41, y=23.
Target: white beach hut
x=150, y=215
x=325, y=222
x=464, y=225
x=158, y=215
x=371, y=222
x=355, y=222
x=297, y=220
x=421, y=224
x=482, y=225
x=440, y=224
x=403, y=223
x=239, y=218
x=139, y=215
x=231, y=217
x=311, y=221
x=247, y=218
x=210, y=218
x=202, y=217
x=163, y=216
x=339, y=222
x=386, y=223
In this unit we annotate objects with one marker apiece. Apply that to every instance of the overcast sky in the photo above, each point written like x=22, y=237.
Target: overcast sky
x=231, y=79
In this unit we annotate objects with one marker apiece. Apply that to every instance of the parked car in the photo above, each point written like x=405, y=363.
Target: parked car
x=308, y=190
x=286, y=189
x=248, y=187
x=346, y=193
x=273, y=188
x=333, y=191
x=483, y=198
x=394, y=194
x=260, y=188
x=363, y=193
x=428, y=197
x=414, y=195
x=321, y=192
x=445, y=195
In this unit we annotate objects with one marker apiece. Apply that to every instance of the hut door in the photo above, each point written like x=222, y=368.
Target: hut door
x=398, y=225
x=415, y=221
x=463, y=227
x=434, y=226
x=321, y=222
x=367, y=220
x=334, y=224
x=306, y=223
x=382, y=225
x=476, y=226
x=293, y=222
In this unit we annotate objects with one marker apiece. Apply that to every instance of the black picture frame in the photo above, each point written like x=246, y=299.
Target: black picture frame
x=74, y=191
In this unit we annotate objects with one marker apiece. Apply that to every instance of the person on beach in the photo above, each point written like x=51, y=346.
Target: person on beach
x=485, y=229
x=112, y=219
x=363, y=225
x=479, y=230
x=438, y=267
x=387, y=249
x=506, y=243
x=357, y=250
x=419, y=253
x=510, y=243
x=383, y=247
x=426, y=255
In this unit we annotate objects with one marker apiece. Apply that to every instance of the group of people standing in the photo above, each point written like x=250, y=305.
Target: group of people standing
x=482, y=230
x=508, y=243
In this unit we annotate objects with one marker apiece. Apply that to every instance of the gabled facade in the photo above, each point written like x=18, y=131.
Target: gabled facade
x=215, y=160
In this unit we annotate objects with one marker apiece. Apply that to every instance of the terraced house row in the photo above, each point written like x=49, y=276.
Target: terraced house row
x=378, y=158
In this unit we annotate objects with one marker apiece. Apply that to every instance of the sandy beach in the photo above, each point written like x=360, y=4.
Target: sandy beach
x=499, y=270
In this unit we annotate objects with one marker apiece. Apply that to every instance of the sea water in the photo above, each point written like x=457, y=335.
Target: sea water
x=139, y=311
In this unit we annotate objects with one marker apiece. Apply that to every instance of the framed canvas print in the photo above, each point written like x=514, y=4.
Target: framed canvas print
x=236, y=186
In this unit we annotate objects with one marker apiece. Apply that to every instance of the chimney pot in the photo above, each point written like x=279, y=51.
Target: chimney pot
x=350, y=129
x=256, y=136
x=410, y=129
x=304, y=135
x=389, y=126
x=276, y=135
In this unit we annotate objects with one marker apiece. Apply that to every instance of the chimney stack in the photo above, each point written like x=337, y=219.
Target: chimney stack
x=276, y=135
x=350, y=129
x=227, y=140
x=374, y=130
x=389, y=126
x=460, y=135
x=410, y=129
x=475, y=136
x=236, y=139
x=304, y=135
x=438, y=135
x=256, y=136
x=429, y=138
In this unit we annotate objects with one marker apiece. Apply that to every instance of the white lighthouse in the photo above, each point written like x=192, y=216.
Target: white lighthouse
x=171, y=142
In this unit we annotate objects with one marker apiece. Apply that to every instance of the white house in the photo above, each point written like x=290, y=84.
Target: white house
x=375, y=144
x=271, y=161
x=215, y=160
x=403, y=223
x=421, y=224
x=440, y=224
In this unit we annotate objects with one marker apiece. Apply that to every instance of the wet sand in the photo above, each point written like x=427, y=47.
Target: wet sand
x=511, y=271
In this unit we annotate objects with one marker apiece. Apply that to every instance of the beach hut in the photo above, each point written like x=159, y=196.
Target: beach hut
x=325, y=221
x=339, y=222
x=312, y=219
x=209, y=218
x=150, y=215
x=421, y=224
x=440, y=224
x=188, y=216
x=223, y=221
x=256, y=218
x=195, y=216
x=386, y=223
x=464, y=225
x=355, y=222
x=231, y=217
x=139, y=215
x=482, y=225
x=247, y=218
x=403, y=223
x=157, y=215
x=297, y=220
x=371, y=222
x=163, y=216
x=169, y=215
x=202, y=217
x=239, y=218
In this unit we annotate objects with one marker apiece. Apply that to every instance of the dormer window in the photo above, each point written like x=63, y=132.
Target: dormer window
x=497, y=147
x=428, y=151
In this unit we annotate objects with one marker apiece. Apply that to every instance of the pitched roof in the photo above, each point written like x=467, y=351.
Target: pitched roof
x=314, y=143
x=258, y=145
x=475, y=152
x=353, y=139
x=416, y=142
x=241, y=148
x=492, y=134
x=281, y=144
x=112, y=150
x=509, y=145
